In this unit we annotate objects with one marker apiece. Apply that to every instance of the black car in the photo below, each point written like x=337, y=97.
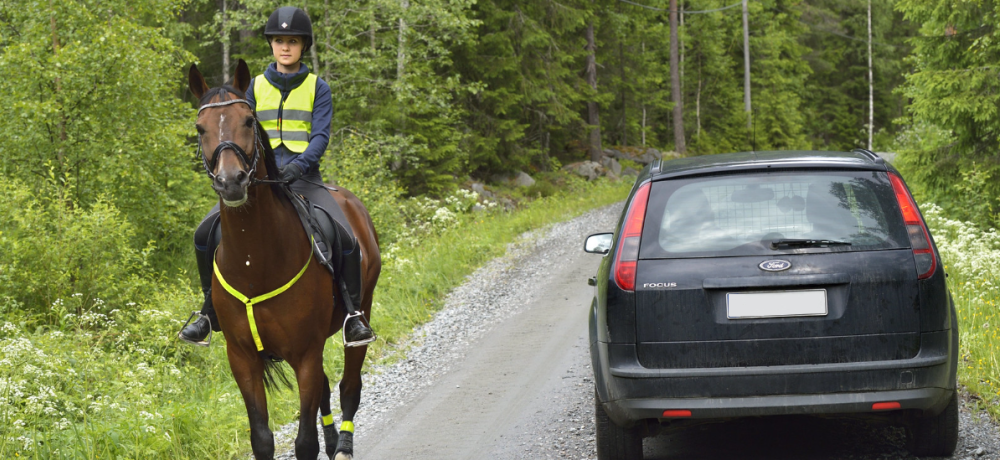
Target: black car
x=771, y=283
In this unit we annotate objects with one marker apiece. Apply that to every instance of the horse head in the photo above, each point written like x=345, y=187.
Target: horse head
x=227, y=131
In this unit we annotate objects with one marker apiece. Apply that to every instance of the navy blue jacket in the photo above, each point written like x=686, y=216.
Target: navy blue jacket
x=321, y=115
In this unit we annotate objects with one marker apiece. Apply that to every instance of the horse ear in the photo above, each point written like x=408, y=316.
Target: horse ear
x=196, y=82
x=242, y=79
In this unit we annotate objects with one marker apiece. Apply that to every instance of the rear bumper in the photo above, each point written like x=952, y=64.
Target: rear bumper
x=631, y=392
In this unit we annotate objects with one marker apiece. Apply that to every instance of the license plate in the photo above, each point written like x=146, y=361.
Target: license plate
x=780, y=304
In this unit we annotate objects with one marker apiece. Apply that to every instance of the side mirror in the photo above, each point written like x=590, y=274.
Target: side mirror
x=599, y=243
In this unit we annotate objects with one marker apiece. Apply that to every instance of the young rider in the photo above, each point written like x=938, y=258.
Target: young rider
x=294, y=106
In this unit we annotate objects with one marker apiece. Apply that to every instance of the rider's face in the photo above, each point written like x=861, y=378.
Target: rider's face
x=287, y=50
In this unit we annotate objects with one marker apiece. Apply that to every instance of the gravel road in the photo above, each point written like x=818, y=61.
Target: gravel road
x=503, y=371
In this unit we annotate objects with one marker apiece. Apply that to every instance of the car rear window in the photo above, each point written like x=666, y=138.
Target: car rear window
x=743, y=214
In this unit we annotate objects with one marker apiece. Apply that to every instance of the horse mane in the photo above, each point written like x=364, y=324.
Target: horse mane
x=270, y=164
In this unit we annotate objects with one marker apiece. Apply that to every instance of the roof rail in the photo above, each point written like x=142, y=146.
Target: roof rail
x=868, y=153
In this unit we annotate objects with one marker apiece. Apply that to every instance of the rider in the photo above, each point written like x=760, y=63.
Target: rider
x=294, y=106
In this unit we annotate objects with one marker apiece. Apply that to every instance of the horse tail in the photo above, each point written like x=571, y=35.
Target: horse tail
x=275, y=377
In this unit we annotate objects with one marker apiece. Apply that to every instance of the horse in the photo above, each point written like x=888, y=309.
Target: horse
x=263, y=246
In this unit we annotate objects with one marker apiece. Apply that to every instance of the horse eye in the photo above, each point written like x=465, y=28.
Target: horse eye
x=200, y=129
x=249, y=122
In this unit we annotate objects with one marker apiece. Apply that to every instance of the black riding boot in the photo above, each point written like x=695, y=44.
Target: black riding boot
x=356, y=330
x=197, y=331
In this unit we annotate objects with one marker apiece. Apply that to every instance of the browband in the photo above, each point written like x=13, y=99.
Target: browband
x=223, y=103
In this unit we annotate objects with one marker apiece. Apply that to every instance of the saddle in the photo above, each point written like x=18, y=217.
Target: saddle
x=329, y=238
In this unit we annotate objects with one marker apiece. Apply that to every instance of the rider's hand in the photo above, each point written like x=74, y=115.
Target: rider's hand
x=290, y=173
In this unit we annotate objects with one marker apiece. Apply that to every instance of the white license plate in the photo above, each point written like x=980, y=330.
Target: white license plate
x=779, y=304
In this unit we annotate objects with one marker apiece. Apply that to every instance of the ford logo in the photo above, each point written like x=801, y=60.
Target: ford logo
x=775, y=265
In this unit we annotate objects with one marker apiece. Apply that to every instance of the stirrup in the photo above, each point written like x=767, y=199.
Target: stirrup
x=203, y=343
x=363, y=321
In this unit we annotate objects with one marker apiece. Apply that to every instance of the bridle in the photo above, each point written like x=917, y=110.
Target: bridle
x=247, y=160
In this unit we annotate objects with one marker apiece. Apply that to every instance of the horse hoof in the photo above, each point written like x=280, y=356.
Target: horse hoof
x=344, y=456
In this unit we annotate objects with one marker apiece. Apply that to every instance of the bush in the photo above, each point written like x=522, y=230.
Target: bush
x=59, y=257
x=359, y=165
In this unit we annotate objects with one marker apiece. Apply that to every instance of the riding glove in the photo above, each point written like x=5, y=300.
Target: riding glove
x=290, y=173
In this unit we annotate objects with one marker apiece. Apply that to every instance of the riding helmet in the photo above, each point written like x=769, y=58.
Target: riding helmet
x=289, y=20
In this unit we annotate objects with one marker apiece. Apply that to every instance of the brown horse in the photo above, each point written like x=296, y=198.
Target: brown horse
x=264, y=247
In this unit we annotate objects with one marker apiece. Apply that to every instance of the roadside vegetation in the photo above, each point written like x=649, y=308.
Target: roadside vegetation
x=971, y=257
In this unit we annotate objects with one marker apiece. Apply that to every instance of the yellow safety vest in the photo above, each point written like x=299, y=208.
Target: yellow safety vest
x=295, y=124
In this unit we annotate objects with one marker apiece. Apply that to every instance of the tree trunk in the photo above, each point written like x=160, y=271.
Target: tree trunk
x=593, y=111
x=675, y=82
x=871, y=81
x=746, y=64
x=401, y=49
x=224, y=38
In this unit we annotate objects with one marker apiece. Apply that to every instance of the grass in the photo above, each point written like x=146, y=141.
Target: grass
x=120, y=386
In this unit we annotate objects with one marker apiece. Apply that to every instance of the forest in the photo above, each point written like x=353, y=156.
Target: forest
x=98, y=113
x=101, y=185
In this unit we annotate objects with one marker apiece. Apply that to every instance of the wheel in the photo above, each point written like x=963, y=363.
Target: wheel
x=613, y=441
x=935, y=436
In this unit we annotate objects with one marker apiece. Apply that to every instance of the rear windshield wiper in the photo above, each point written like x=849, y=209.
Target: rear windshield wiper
x=805, y=243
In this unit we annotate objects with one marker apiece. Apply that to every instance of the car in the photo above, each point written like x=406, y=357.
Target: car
x=771, y=283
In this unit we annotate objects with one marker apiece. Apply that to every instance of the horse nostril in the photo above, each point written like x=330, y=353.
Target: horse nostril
x=219, y=181
x=242, y=177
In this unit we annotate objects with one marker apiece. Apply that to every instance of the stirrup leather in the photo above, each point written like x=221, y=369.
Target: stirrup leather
x=203, y=343
x=363, y=321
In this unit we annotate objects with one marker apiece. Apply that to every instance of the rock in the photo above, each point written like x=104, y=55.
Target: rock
x=589, y=169
x=978, y=452
x=500, y=178
x=481, y=190
x=523, y=180
x=645, y=158
x=630, y=172
x=611, y=165
x=614, y=154
x=656, y=153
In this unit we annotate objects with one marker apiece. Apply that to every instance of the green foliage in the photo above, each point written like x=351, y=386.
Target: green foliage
x=836, y=100
x=90, y=87
x=54, y=251
x=358, y=164
x=952, y=121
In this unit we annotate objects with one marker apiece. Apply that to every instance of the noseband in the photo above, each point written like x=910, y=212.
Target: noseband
x=247, y=160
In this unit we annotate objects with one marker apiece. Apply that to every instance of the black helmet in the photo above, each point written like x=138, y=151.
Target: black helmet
x=289, y=20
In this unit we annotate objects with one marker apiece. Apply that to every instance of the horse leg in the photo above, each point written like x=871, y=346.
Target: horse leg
x=248, y=370
x=350, y=399
x=330, y=436
x=311, y=379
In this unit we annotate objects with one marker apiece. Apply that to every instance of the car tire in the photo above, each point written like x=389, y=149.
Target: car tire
x=935, y=436
x=613, y=441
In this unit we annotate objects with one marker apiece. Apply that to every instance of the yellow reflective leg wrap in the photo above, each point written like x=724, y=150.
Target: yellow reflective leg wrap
x=328, y=420
x=347, y=425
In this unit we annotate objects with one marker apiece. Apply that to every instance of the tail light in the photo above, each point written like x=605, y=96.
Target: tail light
x=920, y=239
x=628, y=248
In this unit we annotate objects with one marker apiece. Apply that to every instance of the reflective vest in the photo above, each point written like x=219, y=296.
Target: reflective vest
x=287, y=121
